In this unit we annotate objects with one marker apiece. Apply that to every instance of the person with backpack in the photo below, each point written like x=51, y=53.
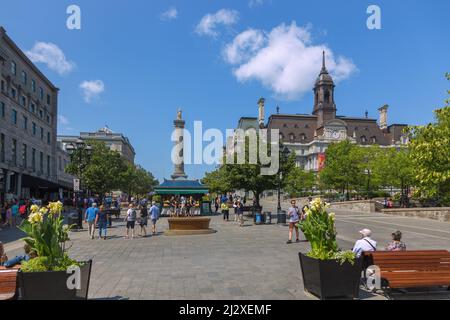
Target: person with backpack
x=365, y=244
x=130, y=219
x=143, y=220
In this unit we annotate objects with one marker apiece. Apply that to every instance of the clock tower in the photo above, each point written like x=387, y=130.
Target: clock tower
x=324, y=106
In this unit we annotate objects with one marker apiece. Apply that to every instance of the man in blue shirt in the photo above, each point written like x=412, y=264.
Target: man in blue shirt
x=154, y=215
x=89, y=218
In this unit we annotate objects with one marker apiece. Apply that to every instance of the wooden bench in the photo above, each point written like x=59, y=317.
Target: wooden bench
x=8, y=283
x=411, y=269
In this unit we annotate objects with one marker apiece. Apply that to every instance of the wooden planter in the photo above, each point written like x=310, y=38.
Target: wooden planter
x=52, y=285
x=328, y=279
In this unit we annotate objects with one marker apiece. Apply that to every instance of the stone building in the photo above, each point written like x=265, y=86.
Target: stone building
x=115, y=141
x=308, y=135
x=28, y=126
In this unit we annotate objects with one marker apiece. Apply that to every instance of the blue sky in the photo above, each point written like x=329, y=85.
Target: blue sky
x=143, y=59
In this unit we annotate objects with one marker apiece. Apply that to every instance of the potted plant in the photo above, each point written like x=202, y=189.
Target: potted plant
x=327, y=271
x=51, y=274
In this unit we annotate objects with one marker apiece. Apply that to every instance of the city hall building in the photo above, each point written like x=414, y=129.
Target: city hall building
x=28, y=124
x=308, y=135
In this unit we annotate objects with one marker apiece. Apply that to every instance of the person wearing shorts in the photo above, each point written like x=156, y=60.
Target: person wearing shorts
x=293, y=221
x=131, y=221
x=143, y=221
x=154, y=215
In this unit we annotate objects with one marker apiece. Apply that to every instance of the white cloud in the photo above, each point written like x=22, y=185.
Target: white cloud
x=284, y=60
x=91, y=89
x=51, y=55
x=63, y=120
x=170, y=14
x=208, y=24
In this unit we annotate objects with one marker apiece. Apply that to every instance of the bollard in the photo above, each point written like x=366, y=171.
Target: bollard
x=281, y=217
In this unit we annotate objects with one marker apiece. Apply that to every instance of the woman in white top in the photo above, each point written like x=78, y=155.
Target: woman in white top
x=293, y=221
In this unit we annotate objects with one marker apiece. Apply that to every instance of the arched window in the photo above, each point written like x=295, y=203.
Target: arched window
x=374, y=139
x=363, y=139
x=303, y=137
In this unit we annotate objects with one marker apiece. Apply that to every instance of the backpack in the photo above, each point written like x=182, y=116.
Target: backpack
x=144, y=212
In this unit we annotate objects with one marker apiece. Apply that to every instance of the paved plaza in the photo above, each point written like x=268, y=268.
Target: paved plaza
x=252, y=262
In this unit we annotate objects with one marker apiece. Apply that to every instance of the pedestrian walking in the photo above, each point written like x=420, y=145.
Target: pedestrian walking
x=240, y=212
x=225, y=211
x=293, y=222
x=154, y=216
x=143, y=219
x=15, y=214
x=91, y=214
x=131, y=221
x=216, y=203
x=101, y=220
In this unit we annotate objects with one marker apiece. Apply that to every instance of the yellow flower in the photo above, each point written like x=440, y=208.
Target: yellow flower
x=43, y=211
x=55, y=207
x=35, y=217
x=332, y=216
x=34, y=208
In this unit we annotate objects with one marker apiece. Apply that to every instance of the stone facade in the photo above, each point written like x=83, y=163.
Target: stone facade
x=439, y=214
x=308, y=135
x=115, y=141
x=28, y=126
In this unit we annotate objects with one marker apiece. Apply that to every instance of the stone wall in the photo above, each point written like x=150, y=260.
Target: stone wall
x=439, y=214
x=357, y=206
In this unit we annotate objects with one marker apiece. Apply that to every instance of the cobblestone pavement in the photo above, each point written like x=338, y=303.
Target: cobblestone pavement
x=250, y=262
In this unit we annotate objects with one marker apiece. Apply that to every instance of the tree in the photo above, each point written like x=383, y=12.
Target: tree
x=342, y=169
x=430, y=150
x=102, y=170
x=218, y=181
x=299, y=181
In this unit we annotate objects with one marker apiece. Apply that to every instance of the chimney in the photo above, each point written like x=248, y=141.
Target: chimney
x=261, y=112
x=383, y=117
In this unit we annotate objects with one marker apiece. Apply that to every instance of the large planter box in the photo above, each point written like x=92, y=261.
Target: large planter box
x=328, y=279
x=52, y=285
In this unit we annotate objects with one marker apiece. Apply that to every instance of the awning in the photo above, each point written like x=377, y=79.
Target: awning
x=181, y=191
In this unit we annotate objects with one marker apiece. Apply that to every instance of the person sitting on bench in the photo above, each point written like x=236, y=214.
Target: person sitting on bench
x=29, y=254
x=365, y=244
x=396, y=244
x=3, y=256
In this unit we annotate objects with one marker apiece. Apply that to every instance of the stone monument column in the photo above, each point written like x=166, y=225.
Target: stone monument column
x=179, y=124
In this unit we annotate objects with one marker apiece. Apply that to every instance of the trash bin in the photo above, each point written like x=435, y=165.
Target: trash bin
x=258, y=218
x=267, y=217
x=281, y=217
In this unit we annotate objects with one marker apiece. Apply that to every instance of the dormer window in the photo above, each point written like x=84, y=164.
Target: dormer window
x=374, y=139
x=281, y=137
x=363, y=139
x=303, y=137
x=292, y=137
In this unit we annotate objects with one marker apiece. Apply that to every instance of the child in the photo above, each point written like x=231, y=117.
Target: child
x=143, y=221
x=225, y=210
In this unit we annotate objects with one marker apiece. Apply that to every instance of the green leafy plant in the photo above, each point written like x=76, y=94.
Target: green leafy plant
x=46, y=236
x=319, y=228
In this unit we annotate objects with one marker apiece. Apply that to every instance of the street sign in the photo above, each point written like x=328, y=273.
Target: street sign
x=76, y=185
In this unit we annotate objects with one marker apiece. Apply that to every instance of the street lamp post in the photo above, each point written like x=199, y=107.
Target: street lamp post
x=368, y=172
x=79, y=146
x=285, y=154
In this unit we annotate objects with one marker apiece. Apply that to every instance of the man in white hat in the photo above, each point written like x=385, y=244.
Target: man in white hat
x=365, y=244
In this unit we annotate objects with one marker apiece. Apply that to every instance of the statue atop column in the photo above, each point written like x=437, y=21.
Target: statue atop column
x=179, y=124
x=179, y=114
